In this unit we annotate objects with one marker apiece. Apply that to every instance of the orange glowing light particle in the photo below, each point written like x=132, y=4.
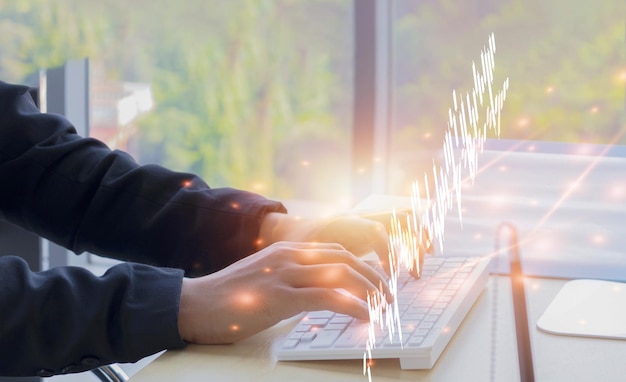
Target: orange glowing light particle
x=187, y=183
x=259, y=242
x=617, y=192
x=235, y=205
x=523, y=122
x=246, y=298
x=267, y=270
x=598, y=238
x=305, y=163
x=427, y=135
x=234, y=328
x=549, y=90
x=594, y=110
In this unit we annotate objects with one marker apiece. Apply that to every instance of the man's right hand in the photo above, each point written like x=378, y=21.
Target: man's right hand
x=276, y=283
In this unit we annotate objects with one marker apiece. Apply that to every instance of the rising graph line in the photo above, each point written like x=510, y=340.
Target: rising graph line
x=463, y=142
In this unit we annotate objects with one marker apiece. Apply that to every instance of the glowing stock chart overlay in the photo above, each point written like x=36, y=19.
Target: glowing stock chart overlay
x=474, y=115
x=568, y=200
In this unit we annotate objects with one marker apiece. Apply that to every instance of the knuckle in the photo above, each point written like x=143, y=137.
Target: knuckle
x=345, y=270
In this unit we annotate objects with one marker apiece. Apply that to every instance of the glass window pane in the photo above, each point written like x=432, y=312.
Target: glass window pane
x=565, y=59
x=558, y=167
x=248, y=94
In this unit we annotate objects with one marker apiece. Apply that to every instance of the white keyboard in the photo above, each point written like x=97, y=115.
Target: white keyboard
x=431, y=309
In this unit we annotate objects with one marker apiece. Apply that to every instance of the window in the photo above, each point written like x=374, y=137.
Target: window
x=565, y=59
x=261, y=95
x=248, y=94
x=558, y=169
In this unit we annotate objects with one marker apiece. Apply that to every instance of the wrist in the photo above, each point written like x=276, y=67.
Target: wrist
x=184, y=310
x=273, y=228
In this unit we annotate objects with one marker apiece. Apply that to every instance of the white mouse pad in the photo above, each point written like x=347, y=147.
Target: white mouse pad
x=588, y=308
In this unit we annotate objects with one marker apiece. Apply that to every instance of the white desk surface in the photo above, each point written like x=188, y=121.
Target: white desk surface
x=483, y=349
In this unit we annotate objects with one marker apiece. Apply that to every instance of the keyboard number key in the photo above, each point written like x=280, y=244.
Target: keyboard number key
x=308, y=336
x=325, y=338
x=290, y=344
x=415, y=341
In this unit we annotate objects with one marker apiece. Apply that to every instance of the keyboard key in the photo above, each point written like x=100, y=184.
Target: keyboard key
x=413, y=316
x=335, y=326
x=320, y=314
x=415, y=341
x=290, y=344
x=296, y=335
x=425, y=325
x=341, y=319
x=325, y=338
x=417, y=310
x=303, y=328
x=389, y=344
x=316, y=321
x=351, y=338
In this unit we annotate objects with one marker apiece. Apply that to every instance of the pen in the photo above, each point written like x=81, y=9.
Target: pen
x=524, y=351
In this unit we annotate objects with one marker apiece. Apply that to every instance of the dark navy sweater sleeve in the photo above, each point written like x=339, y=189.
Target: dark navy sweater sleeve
x=78, y=193
x=66, y=320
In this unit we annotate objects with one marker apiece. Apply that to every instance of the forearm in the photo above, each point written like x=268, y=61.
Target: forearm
x=68, y=320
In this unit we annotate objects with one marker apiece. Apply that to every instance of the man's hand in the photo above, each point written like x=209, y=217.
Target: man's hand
x=359, y=234
x=356, y=234
x=273, y=284
x=403, y=219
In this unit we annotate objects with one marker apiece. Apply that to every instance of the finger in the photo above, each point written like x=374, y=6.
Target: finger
x=426, y=247
x=357, y=234
x=334, y=276
x=385, y=218
x=418, y=263
x=317, y=257
x=428, y=242
x=307, y=253
x=309, y=245
x=368, y=236
x=312, y=299
x=332, y=253
x=380, y=243
x=391, y=224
